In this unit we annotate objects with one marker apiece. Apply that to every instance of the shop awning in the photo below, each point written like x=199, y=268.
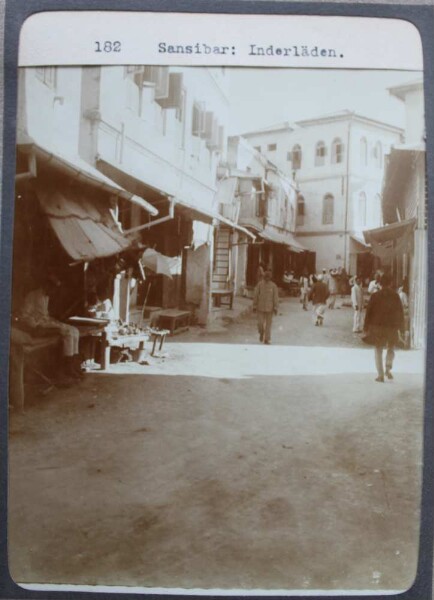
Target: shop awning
x=86, y=229
x=208, y=215
x=287, y=239
x=80, y=170
x=391, y=240
x=398, y=171
x=360, y=240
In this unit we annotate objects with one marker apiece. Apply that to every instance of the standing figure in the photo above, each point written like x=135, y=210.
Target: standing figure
x=357, y=302
x=265, y=303
x=383, y=321
x=318, y=295
x=260, y=272
x=304, y=290
x=333, y=287
x=375, y=285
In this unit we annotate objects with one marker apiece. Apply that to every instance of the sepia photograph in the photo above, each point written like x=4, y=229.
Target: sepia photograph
x=219, y=311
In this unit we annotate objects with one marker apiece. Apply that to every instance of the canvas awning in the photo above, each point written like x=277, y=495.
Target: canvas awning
x=80, y=170
x=208, y=215
x=85, y=228
x=287, y=239
x=391, y=240
x=360, y=245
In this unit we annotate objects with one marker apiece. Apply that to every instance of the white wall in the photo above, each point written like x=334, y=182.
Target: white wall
x=414, y=117
x=52, y=112
x=152, y=144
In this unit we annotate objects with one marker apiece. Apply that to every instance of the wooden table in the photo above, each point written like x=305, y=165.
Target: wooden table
x=218, y=296
x=111, y=339
x=174, y=320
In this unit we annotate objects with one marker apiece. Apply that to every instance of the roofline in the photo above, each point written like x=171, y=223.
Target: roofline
x=353, y=116
x=326, y=119
x=268, y=129
x=399, y=91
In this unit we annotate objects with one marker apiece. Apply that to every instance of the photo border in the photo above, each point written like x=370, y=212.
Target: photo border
x=422, y=17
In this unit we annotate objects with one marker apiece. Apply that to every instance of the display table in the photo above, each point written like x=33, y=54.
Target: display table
x=130, y=341
x=174, y=320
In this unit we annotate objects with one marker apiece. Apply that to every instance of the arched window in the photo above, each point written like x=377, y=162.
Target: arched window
x=362, y=210
x=363, y=152
x=300, y=210
x=296, y=157
x=328, y=207
x=337, y=151
x=320, y=153
x=377, y=153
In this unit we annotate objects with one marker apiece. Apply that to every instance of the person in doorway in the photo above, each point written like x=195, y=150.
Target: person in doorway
x=375, y=285
x=383, y=321
x=265, y=303
x=304, y=289
x=260, y=272
x=318, y=295
x=333, y=288
x=35, y=316
x=357, y=302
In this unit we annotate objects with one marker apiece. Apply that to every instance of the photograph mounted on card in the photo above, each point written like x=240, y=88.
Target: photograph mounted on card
x=219, y=293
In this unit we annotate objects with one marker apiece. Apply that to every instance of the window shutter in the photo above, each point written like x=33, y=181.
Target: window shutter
x=213, y=141
x=208, y=125
x=159, y=78
x=197, y=127
x=221, y=139
x=174, y=97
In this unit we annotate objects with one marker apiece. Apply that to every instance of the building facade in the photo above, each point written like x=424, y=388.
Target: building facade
x=401, y=244
x=159, y=138
x=338, y=163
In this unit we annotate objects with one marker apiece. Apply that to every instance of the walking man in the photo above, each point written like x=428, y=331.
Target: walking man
x=333, y=288
x=357, y=302
x=318, y=295
x=383, y=321
x=265, y=303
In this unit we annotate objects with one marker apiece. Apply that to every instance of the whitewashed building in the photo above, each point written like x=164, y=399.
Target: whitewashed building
x=156, y=135
x=337, y=161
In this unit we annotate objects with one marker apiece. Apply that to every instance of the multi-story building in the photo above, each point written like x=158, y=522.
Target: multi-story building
x=156, y=135
x=267, y=207
x=401, y=244
x=337, y=161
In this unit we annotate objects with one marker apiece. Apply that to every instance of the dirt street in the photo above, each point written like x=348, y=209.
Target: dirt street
x=227, y=464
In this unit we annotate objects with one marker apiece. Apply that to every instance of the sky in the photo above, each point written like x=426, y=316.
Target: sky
x=263, y=97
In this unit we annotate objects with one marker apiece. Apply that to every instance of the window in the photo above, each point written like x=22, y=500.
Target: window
x=363, y=152
x=257, y=148
x=362, y=209
x=377, y=153
x=337, y=151
x=300, y=210
x=328, y=209
x=272, y=147
x=296, y=157
x=47, y=75
x=320, y=153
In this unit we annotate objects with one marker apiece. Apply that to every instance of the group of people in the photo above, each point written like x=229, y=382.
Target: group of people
x=384, y=321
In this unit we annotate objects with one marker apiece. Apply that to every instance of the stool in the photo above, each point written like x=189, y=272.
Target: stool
x=158, y=334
